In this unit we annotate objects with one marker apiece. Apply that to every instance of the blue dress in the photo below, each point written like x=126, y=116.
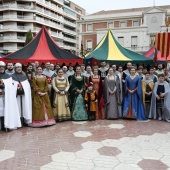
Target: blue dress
x=132, y=103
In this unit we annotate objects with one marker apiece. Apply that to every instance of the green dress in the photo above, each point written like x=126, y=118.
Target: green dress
x=77, y=100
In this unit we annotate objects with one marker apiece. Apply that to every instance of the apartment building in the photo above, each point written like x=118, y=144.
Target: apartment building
x=19, y=16
x=135, y=29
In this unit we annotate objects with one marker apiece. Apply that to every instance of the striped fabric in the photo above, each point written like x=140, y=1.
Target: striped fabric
x=109, y=49
x=163, y=43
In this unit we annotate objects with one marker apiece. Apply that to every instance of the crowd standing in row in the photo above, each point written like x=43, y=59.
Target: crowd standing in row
x=43, y=96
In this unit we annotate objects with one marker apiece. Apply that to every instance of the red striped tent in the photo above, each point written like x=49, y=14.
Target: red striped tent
x=43, y=49
x=151, y=54
x=163, y=44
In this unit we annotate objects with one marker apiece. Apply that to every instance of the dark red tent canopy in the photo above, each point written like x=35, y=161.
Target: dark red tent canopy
x=43, y=49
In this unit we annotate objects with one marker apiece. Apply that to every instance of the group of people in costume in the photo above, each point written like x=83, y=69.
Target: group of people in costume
x=44, y=95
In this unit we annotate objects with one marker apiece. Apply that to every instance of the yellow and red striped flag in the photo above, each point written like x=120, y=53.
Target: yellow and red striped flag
x=163, y=43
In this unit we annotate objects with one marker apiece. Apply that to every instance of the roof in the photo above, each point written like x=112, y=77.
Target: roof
x=103, y=12
x=43, y=48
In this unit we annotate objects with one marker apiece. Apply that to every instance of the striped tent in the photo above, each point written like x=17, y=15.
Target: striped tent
x=151, y=54
x=110, y=50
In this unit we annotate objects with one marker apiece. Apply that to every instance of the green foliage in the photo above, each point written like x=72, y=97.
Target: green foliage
x=29, y=37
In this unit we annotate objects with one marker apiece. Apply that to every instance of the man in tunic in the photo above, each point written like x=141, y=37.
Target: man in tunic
x=9, y=112
x=147, y=87
x=70, y=71
x=160, y=102
x=10, y=68
x=83, y=71
x=103, y=70
x=23, y=92
x=127, y=71
x=140, y=72
x=159, y=70
x=49, y=76
x=114, y=69
x=152, y=75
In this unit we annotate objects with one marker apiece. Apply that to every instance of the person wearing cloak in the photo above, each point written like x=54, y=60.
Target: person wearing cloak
x=132, y=103
x=160, y=70
x=111, y=95
x=10, y=68
x=49, y=76
x=160, y=102
x=103, y=70
x=23, y=93
x=90, y=100
x=77, y=96
x=42, y=114
x=147, y=88
x=9, y=112
x=61, y=105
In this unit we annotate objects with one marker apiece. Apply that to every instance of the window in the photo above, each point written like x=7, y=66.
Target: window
x=110, y=25
x=135, y=23
x=123, y=24
x=89, y=27
x=121, y=41
x=134, y=42
x=89, y=45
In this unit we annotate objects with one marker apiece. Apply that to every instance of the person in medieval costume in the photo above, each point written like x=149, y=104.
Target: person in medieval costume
x=77, y=96
x=160, y=102
x=152, y=75
x=42, y=114
x=9, y=112
x=61, y=105
x=97, y=86
x=111, y=95
x=23, y=92
x=147, y=88
x=10, y=68
x=90, y=100
x=160, y=70
x=103, y=70
x=127, y=71
x=49, y=76
x=132, y=102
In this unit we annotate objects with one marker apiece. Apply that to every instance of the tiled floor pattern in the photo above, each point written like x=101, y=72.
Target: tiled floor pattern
x=97, y=145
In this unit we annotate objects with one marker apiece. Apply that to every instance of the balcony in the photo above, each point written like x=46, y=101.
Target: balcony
x=70, y=16
x=70, y=23
x=19, y=28
x=70, y=40
x=56, y=34
x=52, y=5
x=10, y=49
x=67, y=47
x=20, y=17
x=16, y=6
x=12, y=39
x=67, y=31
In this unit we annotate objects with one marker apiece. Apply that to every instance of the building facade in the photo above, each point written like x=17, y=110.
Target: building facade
x=135, y=29
x=19, y=16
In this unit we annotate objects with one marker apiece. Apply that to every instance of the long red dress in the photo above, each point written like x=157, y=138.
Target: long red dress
x=97, y=86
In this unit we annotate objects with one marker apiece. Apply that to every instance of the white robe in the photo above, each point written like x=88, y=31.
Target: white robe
x=26, y=101
x=11, y=111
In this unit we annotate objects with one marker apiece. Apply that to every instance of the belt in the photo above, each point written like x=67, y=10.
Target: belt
x=1, y=93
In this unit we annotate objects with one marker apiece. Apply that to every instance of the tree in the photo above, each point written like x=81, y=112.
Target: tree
x=29, y=37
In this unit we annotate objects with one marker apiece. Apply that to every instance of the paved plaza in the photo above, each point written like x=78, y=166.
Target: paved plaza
x=97, y=145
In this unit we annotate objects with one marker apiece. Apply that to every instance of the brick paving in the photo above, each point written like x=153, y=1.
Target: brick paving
x=96, y=145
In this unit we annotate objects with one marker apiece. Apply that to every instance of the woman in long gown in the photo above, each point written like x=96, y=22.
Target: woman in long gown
x=61, y=105
x=97, y=86
x=77, y=96
x=42, y=114
x=111, y=95
x=133, y=105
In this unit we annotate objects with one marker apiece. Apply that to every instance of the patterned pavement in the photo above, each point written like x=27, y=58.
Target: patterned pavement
x=96, y=145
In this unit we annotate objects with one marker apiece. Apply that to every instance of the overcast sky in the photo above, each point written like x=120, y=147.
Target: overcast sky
x=92, y=6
